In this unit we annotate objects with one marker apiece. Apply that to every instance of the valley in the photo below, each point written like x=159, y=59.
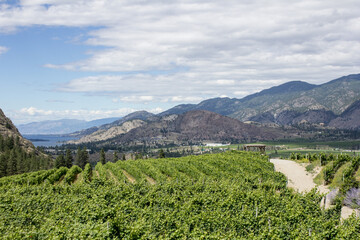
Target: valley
x=184, y=172
x=234, y=194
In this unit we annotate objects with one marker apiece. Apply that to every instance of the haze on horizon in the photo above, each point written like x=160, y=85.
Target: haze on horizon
x=92, y=59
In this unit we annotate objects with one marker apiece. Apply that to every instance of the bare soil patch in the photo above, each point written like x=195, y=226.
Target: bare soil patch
x=77, y=178
x=129, y=177
x=150, y=180
x=113, y=176
x=298, y=177
x=302, y=181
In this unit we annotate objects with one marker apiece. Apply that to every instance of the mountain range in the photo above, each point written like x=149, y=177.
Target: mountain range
x=189, y=127
x=63, y=126
x=334, y=104
x=291, y=103
x=8, y=129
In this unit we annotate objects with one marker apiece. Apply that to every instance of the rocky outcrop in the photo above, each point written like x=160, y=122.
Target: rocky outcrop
x=105, y=134
x=195, y=126
x=289, y=103
x=8, y=129
x=349, y=119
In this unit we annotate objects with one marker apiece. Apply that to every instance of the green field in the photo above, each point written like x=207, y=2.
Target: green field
x=283, y=149
x=233, y=195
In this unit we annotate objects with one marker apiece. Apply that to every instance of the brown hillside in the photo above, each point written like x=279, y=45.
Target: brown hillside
x=8, y=129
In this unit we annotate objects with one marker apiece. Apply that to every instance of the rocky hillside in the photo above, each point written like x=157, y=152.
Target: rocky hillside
x=194, y=126
x=8, y=129
x=349, y=119
x=62, y=126
x=108, y=133
x=96, y=131
x=288, y=103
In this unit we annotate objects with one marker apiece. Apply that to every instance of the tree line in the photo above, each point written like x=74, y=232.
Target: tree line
x=14, y=159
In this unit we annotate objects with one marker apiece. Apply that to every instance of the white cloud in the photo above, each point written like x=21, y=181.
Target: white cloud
x=29, y=114
x=201, y=49
x=3, y=50
x=186, y=99
x=137, y=98
x=223, y=82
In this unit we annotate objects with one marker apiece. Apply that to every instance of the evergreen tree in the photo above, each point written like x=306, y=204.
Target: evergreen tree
x=78, y=158
x=12, y=163
x=60, y=161
x=161, y=154
x=3, y=166
x=68, y=159
x=116, y=158
x=82, y=157
x=85, y=157
x=123, y=157
x=102, y=156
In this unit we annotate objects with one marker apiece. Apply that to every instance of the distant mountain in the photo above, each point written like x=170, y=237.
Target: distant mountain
x=63, y=126
x=105, y=134
x=8, y=129
x=192, y=126
x=289, y=87
x=109, y=129
x=289, y=103
x=349, y=119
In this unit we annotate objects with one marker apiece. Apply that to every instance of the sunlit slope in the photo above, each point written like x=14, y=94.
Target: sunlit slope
x=221, y=196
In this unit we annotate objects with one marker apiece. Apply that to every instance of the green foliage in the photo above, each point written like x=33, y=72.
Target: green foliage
x=102, y=156
x=161, y=154
x=87, y=173
x=71, y=174
x=115, y=157
x=82, y=157
x=60, y=161
x=349, y=175
x=233, y=195
x=8, y=125
x=68, y=158
x=56, y=176
x=15, y=160
x=333, y=166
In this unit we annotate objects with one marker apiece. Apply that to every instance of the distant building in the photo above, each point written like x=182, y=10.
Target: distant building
x=216, y=144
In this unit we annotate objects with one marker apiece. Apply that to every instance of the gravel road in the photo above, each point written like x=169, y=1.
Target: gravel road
x=298, y=177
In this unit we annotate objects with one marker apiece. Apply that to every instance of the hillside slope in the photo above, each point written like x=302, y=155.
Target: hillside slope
x=139, y=115
x=62, y=126
x=349, y=119
x=8, y=129
x=331, y=98
x=195, y=126
x=17, y=154
x=233, y=195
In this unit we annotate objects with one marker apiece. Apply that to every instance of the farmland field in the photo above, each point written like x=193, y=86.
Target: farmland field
x=231, y=195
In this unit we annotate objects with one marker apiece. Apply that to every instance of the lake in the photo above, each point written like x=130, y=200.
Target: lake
x=47, y=140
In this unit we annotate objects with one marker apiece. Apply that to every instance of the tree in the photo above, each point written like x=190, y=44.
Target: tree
x=102, y=156
x=3, y=166
x=78, y=157
x=60, y=161
x=85, y=158
x=12, y=163
x=116, y=158
x=161, y=154
x=123, y=157
x=82, y=157
x=68, y=159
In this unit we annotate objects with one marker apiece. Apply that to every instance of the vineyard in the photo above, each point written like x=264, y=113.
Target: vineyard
x=339, y=171
x=234, y=195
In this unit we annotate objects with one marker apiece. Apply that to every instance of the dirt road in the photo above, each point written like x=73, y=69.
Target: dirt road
x=301, y=180
x=298, y=177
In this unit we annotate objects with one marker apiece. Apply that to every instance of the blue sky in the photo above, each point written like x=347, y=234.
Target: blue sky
x=90, y=59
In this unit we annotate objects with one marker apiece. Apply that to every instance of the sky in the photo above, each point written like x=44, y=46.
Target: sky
x=91, y=59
